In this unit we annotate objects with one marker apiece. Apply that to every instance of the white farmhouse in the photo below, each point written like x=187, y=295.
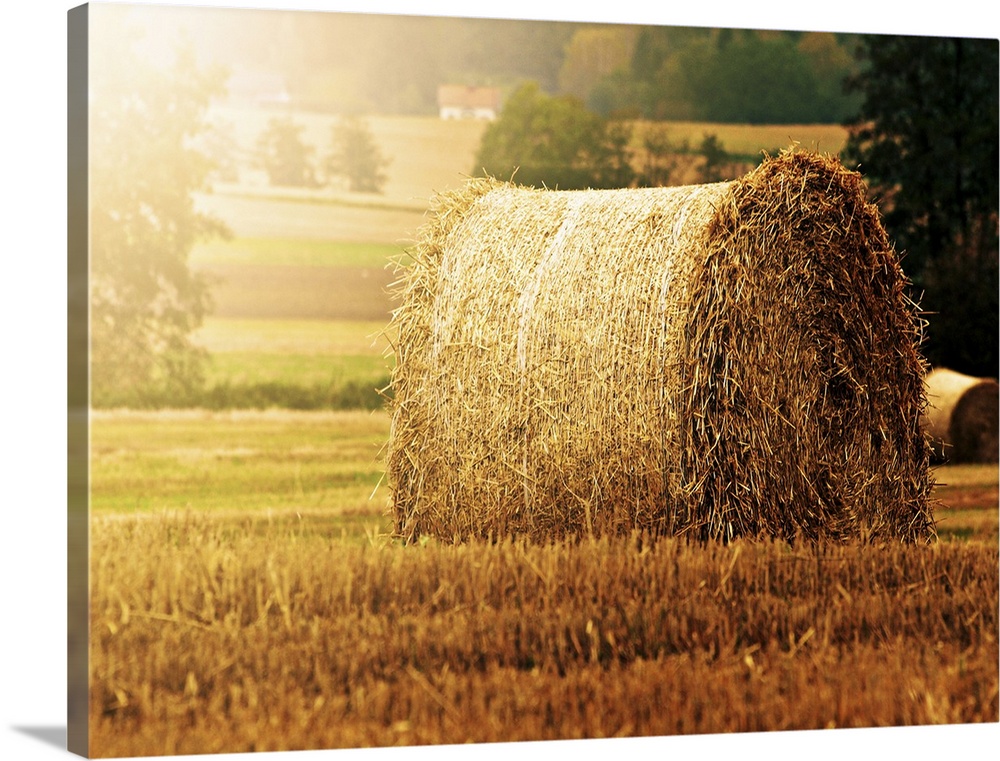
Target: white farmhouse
x=467, y=102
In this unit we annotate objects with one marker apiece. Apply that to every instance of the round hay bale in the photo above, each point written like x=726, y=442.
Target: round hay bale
x=723, y=360
x=962, y=417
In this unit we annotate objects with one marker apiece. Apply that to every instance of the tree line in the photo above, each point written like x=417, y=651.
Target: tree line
x=355, y=160
x=924, y=134
x=557, y=142
x=714, y=75
x=393, y=64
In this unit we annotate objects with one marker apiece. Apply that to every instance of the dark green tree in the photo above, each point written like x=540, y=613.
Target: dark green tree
x=356, y=157
x=145, y=300
x=831, y=62
x=555, y=142
x=735, y=76
x=715, y=159
x=926, y=140
x=284, y=155
x=749, y=78
x=660, y=157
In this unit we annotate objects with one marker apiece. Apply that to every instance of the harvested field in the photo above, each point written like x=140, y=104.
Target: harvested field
x=697, y=360
x=246, y=597
x=254, y=636
x=250, y=216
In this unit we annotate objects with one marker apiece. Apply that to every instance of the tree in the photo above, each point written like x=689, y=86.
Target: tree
x=592, y=54
x=660, y=157
x=736, y=76
x=752, y=78
x=713, y=168
x=925, y=138
x=145, y=300
x=831, y=64
x=356, y=157
x=219, y=144
x=555, y=142
x=283, y=154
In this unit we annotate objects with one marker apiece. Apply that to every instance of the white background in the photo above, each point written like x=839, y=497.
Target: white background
x=33, y=371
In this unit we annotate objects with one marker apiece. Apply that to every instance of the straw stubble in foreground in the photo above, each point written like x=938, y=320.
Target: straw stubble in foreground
x=222, y=636
x=735, y=359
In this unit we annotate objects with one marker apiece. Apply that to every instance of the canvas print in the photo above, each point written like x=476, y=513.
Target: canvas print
x=448, y=380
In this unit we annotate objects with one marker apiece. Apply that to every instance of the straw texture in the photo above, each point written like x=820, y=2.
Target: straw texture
x=962, y=417
x=733, y=359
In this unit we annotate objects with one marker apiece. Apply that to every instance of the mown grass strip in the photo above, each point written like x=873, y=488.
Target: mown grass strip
x=307, y=370
x=294, y=252
x=324, y=199
x=238, y=461
x=329, y=338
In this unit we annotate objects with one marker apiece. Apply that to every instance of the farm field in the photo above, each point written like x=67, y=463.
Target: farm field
x=289, y=461
x=296, y=351
x=247, y=593
x=750, y=140
x=246, y=556
x=428, y=155
x=236, y=462
x=290, y=278
x=325, y=257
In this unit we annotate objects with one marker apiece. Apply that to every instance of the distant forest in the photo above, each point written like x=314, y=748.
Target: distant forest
x=391, y=64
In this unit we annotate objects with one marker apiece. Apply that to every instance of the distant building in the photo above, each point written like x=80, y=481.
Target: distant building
x=467, y=102
x=262, y=89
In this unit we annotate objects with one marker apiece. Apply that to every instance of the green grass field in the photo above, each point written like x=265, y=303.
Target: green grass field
x=298, y=363
x=290, y=336
x=295, y=369
x=302, y=317
x=233, y=464
x=330, y=463
x=295, y=252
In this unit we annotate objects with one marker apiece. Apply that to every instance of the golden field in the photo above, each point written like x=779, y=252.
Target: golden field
x=245, y=594
x=253, y=600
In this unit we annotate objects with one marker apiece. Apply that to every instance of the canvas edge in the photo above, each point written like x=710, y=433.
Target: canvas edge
x=78, y=388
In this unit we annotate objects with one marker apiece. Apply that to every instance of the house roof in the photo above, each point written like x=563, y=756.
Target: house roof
x=467, y=96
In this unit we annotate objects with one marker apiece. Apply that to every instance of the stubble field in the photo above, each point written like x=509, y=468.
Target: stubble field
x=246, y=594
x=252, y=599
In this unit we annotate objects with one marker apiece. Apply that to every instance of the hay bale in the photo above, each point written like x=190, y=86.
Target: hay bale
x=723, y=360
x=961, y=418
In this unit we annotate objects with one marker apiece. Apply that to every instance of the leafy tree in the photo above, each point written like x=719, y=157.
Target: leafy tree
x=356, y=157
x=218, y=142
x=926, y=140
x=556, y=142
x=657, y=71
x=713, y=168
x=282, y=153
x=617, y=95
x=732, y=75
x=660, y=157
x=831, y=64
x=145, y=300
x=592, y=54
x=752, y=78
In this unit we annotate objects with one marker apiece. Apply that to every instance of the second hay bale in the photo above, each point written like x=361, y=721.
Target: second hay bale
x=962, y=417
x=719, y=360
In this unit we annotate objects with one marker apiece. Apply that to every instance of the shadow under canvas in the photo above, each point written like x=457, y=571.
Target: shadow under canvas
x=49, y=735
